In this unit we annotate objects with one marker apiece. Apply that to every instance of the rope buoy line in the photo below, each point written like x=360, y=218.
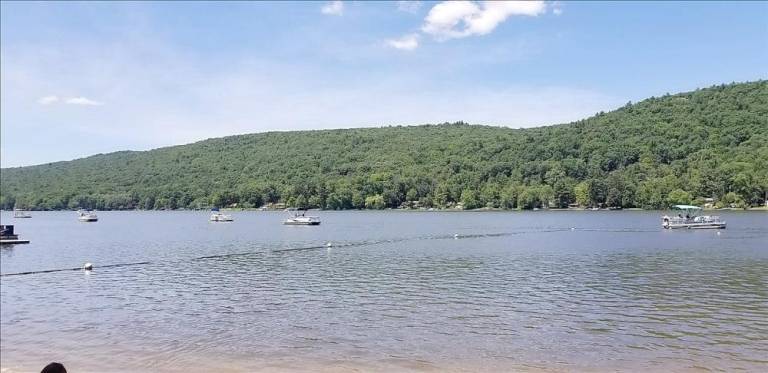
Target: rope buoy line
x=72, y=269
x=351, y=244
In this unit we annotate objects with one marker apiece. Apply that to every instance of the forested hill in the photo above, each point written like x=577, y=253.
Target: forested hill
x=710, y=143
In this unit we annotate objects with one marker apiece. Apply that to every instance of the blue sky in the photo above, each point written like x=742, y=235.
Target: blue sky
x=85, y=78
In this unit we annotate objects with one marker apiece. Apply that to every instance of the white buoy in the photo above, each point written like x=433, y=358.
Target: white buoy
x=88, y=266
x=718, y=233
x=329, y=244
x=456, y=236
x=573, y=229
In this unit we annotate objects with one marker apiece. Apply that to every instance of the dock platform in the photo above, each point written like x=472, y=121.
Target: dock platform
x=13, y=242
x=9, y=237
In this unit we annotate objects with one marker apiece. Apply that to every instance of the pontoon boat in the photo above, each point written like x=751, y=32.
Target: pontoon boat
x=302, y=219
x=688, y=217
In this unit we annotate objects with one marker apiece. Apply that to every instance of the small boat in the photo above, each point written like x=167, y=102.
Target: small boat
x=218, y=216
x=21, y=214
x=689, y=217
x=87, y=216
x=302, y=219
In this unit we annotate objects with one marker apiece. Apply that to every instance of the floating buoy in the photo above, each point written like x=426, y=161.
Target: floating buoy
x=329, y=244
x=456, y=236
x=87, y=266
x=718, y=233
x=573, y=229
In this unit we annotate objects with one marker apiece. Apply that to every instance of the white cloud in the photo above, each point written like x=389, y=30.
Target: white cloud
x=458, y=19
x=47, y=100
x=82, y=101
x=409, y=6
x=333, y=8
x=53, y=99
x=407, y=42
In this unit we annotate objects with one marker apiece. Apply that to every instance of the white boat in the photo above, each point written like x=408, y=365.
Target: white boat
x=302, y=219
x=218, y=216
x=688, y=217
x=87, y=216
x=21, y=214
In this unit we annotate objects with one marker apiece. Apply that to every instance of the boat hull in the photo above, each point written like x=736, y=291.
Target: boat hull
x=220, y=218
x=301, y=223
x=697, y=226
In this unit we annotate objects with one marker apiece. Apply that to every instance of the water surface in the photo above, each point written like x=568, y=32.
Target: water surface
x=397, y=291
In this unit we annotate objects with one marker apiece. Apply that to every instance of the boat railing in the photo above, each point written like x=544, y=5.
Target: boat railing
x=692, y=219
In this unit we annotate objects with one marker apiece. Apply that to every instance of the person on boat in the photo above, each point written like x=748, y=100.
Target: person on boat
x=54, y=368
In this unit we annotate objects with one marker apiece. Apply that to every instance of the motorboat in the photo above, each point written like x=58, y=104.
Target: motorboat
x=689, y=217
x=87, y=216
x=300, y=218
x=218, y=216
x=21, y=214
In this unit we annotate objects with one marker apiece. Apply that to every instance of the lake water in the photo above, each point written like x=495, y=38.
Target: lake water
x=396, y=292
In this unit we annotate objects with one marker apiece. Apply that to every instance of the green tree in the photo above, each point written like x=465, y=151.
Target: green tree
x=679, y=197
x=375, y=202
x=581, y=192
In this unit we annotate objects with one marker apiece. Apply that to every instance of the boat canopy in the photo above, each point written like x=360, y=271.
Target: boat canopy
x=215, y=209
x=686, y=207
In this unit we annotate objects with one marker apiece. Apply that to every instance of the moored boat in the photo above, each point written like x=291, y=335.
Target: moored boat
x=218, y=216
x=87, y=216
x=21, y=214
x=689, y=217
x=302, y=219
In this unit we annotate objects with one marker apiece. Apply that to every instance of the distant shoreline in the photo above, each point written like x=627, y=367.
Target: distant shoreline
x=238, y=209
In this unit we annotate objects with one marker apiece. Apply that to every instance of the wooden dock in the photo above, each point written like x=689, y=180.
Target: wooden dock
x=13, y=242
x=9, y=237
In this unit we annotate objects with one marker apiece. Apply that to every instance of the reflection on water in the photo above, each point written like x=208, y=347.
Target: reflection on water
x=517, y=291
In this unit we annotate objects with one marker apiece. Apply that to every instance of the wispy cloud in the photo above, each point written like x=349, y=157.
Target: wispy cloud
x=82, y=101
x=333, y=8
x=407, y=42
x=53, y=99
x=47, y=100
x=458, y=19
x=409, y=6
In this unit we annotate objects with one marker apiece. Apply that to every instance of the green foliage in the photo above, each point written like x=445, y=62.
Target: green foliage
x=375, y=202
x=710, y=143
x=679, y=197
x=581, y=192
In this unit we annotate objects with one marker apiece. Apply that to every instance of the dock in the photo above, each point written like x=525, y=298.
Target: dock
x=9, y=237
x=13, y=242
